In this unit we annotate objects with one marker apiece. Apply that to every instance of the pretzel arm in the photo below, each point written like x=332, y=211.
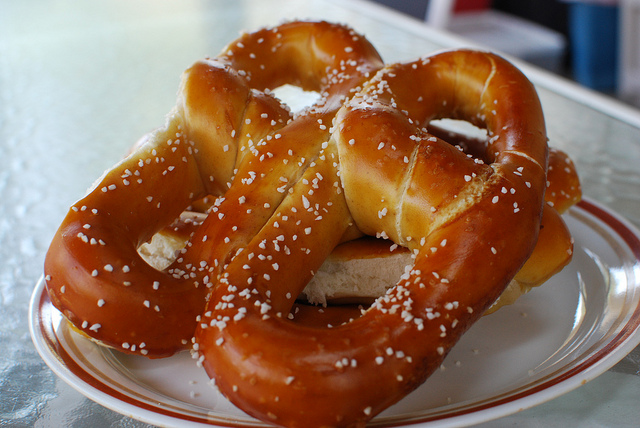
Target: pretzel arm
x=319, y=56
x=94, y=273
x=97, y=255
x=234, y=338
x=554, y=247
x=263, y=180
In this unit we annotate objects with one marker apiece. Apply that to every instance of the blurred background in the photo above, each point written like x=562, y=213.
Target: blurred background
x=594, y=42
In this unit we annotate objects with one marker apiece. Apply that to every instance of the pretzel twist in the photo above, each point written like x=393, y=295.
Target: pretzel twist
x=470, y=224
x=224, y=124
x=554, y=246
x=553, y=250
x=286, y=191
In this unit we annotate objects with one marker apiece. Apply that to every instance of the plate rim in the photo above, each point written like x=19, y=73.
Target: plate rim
x=64, y=366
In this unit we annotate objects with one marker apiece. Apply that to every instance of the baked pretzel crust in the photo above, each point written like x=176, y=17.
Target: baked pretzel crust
x=471, y=225
x=281, y=191
x=225, y=123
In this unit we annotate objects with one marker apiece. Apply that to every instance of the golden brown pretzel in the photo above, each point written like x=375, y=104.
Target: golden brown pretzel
x=553, y=250
x=471, y=226
x=224, y=125
x=554, y=247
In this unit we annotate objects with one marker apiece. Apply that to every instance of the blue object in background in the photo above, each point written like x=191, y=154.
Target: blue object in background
x=593, y=29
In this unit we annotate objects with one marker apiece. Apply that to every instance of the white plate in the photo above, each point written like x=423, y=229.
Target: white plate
x=554, y=339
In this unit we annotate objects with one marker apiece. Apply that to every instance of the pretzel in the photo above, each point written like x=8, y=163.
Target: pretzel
x=358, y=271
x=225, y=123
x=554, y=246
x=470, y=224
x=361, y=270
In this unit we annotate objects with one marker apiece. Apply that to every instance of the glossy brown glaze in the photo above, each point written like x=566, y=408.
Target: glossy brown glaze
x=225, y=127
x=471, y=225
x=279, y=192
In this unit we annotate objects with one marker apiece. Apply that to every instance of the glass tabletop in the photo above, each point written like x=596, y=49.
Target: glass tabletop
x=80, y=82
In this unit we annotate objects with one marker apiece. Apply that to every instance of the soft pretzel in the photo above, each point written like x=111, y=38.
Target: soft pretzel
x=471, y=225
x=223, y=127
x=362, y=270
x=554, y=247
x=359, y=271
x=94, y=274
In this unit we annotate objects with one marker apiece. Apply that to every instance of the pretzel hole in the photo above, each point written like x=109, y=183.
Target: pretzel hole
x=469, y=138
x=295, y=97
x=459, y=126
x=161, y=250
x=350, y=280
x=328, y=316
x=165, y=246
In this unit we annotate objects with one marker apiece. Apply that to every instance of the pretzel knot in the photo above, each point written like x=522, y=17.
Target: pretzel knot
x=470, y=224
x=286, y=190
x=229, y=138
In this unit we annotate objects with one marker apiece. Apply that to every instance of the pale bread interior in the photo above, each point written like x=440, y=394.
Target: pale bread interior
x=345, y=277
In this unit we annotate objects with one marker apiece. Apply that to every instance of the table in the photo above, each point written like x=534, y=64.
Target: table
x=81, y=81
